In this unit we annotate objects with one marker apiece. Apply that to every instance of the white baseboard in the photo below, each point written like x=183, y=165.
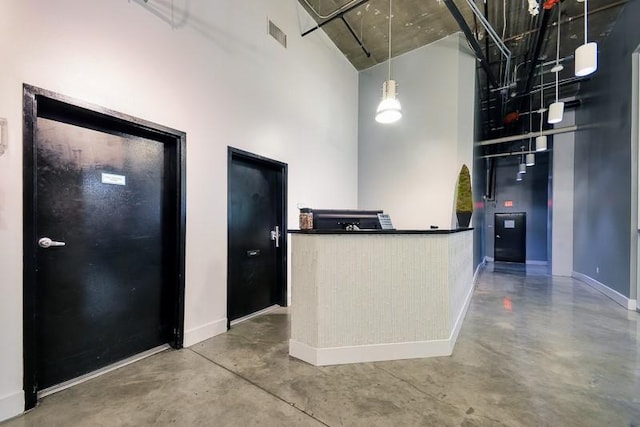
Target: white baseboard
x=206, y=331
x=458, y=324
x=11, y=405
x=479, y=268
x=629, y=304
x=255, y=314
x=369, y=353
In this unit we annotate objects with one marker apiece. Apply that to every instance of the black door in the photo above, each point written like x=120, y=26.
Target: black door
x=105, y=243
x=256, y=234
x=511, y=237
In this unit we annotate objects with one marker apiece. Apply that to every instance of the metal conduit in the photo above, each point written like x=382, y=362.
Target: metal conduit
x=331, y=14
x=512, y=153
x=526, y=136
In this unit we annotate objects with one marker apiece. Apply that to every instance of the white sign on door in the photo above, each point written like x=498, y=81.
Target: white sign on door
x=109, y=178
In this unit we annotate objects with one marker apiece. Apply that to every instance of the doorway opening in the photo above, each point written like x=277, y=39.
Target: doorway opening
x=103, y=236
x=510, y=237
x=256, y=235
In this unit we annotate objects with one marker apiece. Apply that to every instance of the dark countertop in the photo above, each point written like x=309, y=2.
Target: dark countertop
x=435, y=231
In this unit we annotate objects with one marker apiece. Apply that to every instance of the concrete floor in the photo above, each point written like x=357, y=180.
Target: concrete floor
x=533, y=351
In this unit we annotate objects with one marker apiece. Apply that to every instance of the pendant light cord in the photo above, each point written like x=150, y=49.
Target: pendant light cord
x=541, y=96
x=530, y=119
x=558, y=46
x=390, y=1
x=585, y=21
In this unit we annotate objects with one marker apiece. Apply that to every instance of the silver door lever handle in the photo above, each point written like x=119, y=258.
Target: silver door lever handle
x=275, y=235
x=46, y=242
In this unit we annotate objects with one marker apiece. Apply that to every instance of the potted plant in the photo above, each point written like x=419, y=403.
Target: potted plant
x=464, y=201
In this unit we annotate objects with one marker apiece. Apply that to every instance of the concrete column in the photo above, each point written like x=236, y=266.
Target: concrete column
x=562, y=200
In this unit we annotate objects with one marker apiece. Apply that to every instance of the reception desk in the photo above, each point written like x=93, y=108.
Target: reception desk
x=363, y=296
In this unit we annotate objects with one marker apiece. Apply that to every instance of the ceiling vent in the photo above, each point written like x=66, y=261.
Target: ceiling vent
x=277, y=34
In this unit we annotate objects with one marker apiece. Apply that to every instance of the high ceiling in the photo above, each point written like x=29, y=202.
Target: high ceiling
x=359, y=28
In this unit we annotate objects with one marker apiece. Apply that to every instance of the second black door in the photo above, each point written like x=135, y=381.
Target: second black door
x=511, y=237
x=256, y=234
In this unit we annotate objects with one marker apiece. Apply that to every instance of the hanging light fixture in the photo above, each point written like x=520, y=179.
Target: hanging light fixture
x=556, y=110
x=587, y=54
x=530, y=159
x=541, y=140
x=389, y=109
x=518, y=176
x=522, y=168
x=541, y=143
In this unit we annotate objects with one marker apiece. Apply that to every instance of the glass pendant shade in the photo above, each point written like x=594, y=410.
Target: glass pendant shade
x=522, y=168
x=541, y=143
x=389, y=110
x=586, y=59
x=530, y=159
x=556, y=112
x=518, y=176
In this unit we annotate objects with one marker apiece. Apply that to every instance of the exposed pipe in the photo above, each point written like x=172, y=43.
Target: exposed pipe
x=509, y=153
x=455, y=12
x=544, y=64
x=568, y=104
x=571, y=18
x=335, y=12
x=526, y=136
x=336, y=16
x=495, y=37
x=355, y=36
x=533, y=60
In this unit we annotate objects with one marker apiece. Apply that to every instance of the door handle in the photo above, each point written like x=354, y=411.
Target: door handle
x=275, y=235
x=46, y=242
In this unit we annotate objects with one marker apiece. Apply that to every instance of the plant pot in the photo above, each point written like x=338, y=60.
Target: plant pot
x=464, y=218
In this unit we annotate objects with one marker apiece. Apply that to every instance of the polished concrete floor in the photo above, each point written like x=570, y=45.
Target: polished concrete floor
x=533, y=351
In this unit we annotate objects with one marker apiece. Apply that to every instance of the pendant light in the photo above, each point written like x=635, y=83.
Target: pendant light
x=530, y=158
x=541, y=140
x=389, y=109
x=556, y=110
x=587, y=54
x=522, y=167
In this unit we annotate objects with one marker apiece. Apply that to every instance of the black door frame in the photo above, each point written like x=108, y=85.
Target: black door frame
x=119, y=123
x=281, y=168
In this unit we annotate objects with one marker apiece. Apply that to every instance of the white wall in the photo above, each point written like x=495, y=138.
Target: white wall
x=410, y=168
x=562, y=182
x=214, y=74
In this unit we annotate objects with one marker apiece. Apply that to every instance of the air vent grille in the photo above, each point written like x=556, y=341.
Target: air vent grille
x=277, y=33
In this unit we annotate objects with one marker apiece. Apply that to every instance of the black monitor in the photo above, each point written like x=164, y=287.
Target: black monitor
x=341, y=219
